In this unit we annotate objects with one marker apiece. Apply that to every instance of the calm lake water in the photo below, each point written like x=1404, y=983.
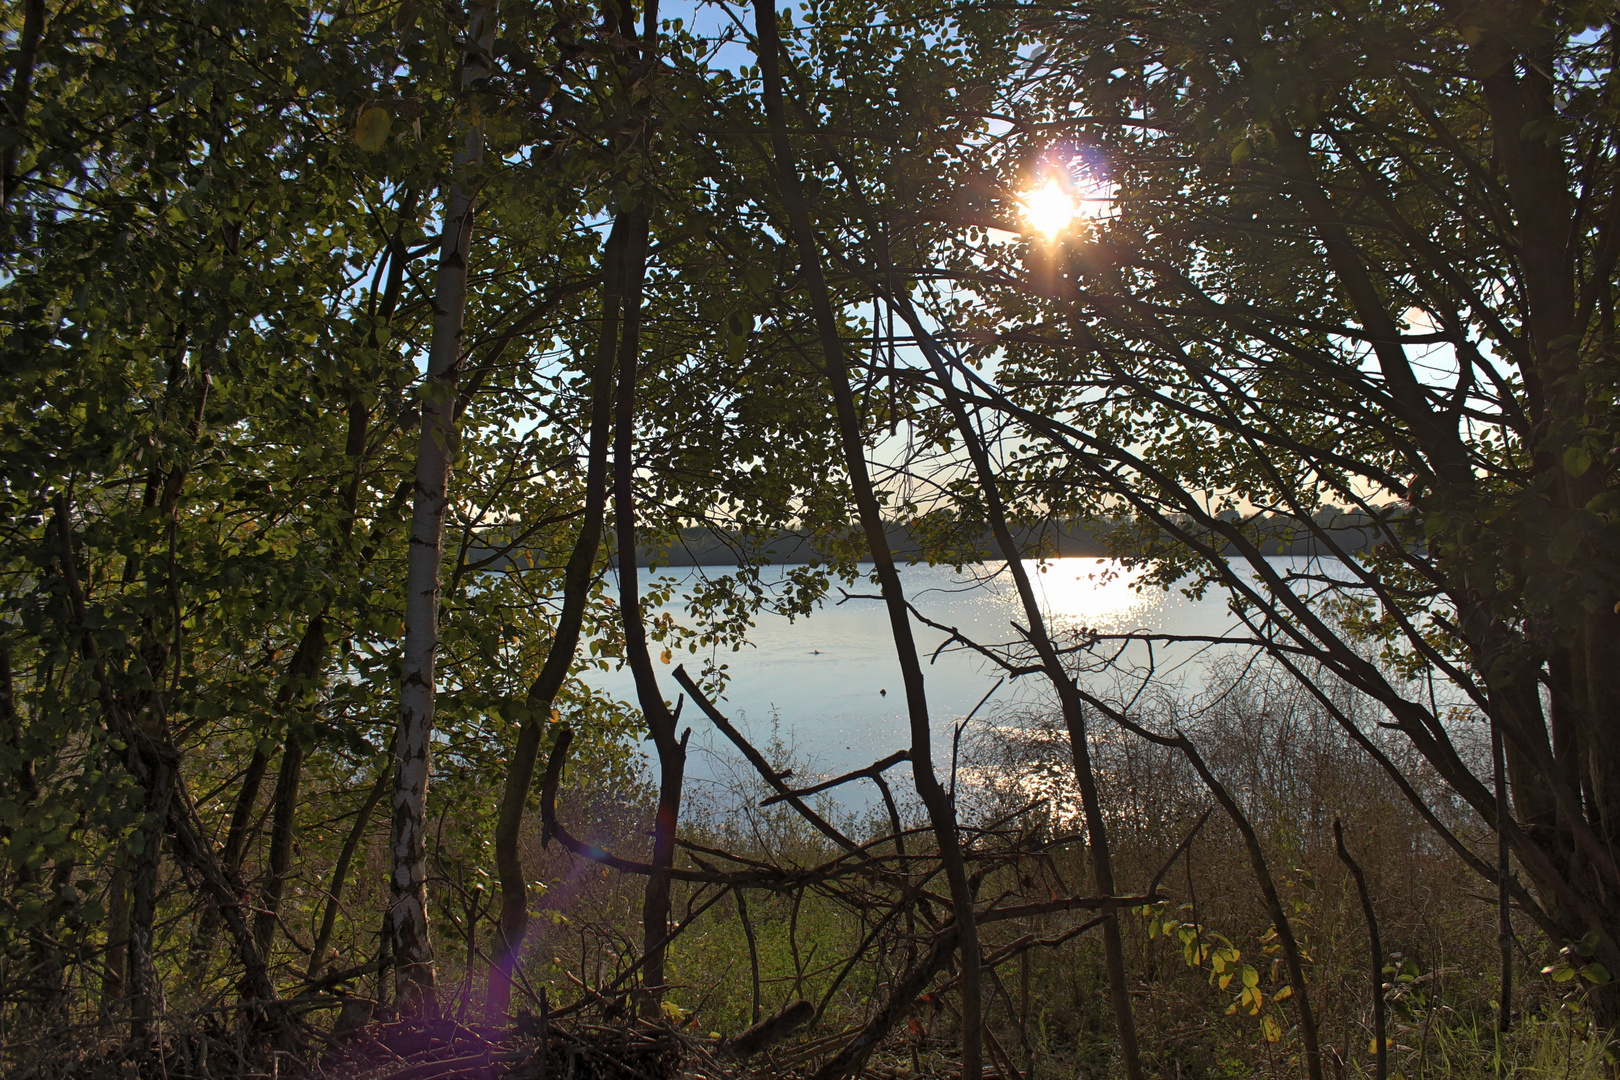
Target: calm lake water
x=830, y=684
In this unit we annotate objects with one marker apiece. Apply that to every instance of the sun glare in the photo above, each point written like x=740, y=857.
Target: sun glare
x=1053, y=206
x=1089, y=592
x=1048, y=209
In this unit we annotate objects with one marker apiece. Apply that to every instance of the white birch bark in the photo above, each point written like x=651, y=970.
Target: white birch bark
x=412, y=945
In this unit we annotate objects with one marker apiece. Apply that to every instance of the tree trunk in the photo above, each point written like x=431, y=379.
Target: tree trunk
x=247, y=797
x=941, y=811
x=1375, y=950
x=661, y=722
x=577, y=578
x=152, y=761
x=20, y=787
x=285, y=803
x=143, y=979
x=412, y=946
x=1102, y=865
x=114, y=973
x=1279, y=917
x=1563, y=770
x=303, y=677
x=1262, y=876
x=340, y=874
x=22, y=81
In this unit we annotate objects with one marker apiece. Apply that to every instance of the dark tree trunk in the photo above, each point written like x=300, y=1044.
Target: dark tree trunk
x=661, y=722
x=941, y=809
x=247, y=796
x=144, y=991
x=340, y=875
x=1063, y=684
x=22, y=81
x=577, y=579
x=115, y=970
x=285, y=809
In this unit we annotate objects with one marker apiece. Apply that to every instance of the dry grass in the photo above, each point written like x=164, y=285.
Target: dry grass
x=1294, y=771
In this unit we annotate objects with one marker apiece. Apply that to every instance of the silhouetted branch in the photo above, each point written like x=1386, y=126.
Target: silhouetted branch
x=757, y=760
x=1380, y=1044
x=871, y=772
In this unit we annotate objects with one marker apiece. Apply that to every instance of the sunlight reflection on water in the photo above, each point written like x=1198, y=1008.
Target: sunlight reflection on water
x=1094, y=593
x=831, y=686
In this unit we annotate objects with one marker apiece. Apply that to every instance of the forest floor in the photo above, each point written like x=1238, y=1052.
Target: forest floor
x=621, y=1050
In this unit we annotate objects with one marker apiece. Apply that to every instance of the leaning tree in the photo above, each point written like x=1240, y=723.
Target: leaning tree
x=1354, y=284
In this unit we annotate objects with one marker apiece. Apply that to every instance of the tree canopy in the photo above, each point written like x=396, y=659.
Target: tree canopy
x=353, y=353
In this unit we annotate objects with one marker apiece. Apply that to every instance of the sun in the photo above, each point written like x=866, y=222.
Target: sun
x=1048, y=209
x=1053, y=205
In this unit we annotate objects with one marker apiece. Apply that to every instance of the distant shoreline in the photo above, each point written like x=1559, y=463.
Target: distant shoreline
x=702, y=546
x=712, y=547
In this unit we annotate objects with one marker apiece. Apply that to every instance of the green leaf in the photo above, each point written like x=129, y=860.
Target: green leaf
x=1577, y=459
x=371, y=128
x=1565, y=543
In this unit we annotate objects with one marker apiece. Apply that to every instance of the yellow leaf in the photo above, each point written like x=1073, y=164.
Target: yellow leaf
x=371, y=129
x=1285, y=992
x=667, y=656
x=1372, y=1045
x=1226, y=981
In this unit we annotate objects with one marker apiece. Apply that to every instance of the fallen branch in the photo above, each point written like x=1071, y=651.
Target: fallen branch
x=873, y=771
x=761, y=766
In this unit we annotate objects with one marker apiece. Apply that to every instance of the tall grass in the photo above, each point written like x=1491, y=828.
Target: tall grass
x=1294, y=770
x=1289, y=764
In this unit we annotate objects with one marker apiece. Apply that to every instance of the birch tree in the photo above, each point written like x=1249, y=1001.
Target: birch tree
x=408, y=915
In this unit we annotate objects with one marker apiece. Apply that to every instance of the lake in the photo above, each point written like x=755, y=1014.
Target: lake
x=831, y=683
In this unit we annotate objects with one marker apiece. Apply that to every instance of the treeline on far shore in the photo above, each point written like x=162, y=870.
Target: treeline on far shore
x=1335, y=530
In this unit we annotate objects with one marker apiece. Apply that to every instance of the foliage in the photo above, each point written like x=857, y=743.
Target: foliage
x=1353, y=285
x=1352, y=289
